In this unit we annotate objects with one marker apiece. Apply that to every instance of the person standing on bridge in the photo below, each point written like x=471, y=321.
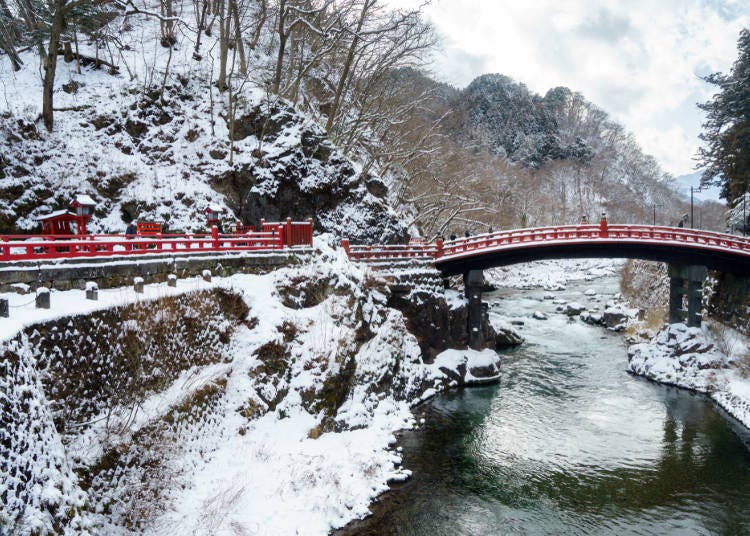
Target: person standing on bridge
x=131, y=230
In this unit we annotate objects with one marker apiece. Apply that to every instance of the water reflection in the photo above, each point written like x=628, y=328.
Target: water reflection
x=569, y=443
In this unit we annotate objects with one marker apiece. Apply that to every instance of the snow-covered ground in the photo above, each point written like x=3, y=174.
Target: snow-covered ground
x=280, y=473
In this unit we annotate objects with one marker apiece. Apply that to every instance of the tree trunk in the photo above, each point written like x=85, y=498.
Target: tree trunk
x=48, y=88
x=347, y=65
x=282, y=45
x=201, y=24
x=224, y=20
x=262, y=15
x=238, y=37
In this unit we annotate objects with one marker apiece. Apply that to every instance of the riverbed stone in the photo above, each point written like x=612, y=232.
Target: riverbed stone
x=573, y=309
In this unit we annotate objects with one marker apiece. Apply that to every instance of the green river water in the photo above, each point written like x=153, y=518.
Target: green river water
x=568, y=443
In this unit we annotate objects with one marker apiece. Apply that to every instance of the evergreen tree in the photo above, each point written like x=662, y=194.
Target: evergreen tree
x=726, y=135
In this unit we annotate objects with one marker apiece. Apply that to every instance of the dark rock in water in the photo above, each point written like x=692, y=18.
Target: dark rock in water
x=538, y=315
x=506, y=337
x=487, y=371
x=591, y=318
x=517, y=322
x=613, y=318
x=573, y=309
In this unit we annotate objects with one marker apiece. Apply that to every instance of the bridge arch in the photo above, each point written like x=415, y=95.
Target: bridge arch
x=675, y=246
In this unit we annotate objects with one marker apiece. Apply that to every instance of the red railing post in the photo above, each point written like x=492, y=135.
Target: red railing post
x=345, y=245
x=288, y=240
x=282, y=238
x=603, y=226
x=215, y=236
x=310, y=232
x=439, y=244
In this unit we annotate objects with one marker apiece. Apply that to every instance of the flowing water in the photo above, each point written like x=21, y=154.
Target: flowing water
x=568, y=443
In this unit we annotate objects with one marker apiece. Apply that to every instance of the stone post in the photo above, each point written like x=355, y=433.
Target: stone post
x=92, y=291
x=4, y=309
x=172, y=280
x=42, y=298
x=206, y=276
x=138, y=285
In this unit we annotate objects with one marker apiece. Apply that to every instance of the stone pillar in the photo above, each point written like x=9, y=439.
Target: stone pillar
x=686, y=281
x=473, y=281
x=4, y=309
x=92, y=291
x=42, y=298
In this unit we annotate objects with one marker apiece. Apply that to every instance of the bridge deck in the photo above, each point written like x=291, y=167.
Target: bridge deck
x=717, y=251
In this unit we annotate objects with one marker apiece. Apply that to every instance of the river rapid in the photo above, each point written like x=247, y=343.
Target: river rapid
x=568, y=443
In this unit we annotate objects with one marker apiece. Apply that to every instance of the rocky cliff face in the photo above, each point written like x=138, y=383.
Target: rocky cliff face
x=166, y=159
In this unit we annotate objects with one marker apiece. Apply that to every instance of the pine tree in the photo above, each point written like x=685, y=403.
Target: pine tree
x=726, y=135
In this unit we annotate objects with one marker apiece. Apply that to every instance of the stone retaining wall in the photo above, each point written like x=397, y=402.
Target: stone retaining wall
x=108, y=273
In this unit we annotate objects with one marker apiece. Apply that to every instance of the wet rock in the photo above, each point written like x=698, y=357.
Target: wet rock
x=506, y=337
x=538, y=315
x=614, y=317
x=591, y=318
x=573, y=309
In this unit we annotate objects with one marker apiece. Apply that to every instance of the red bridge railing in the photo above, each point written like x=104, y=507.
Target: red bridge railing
x=296, y=233
x=522, y=238
x=39, y=247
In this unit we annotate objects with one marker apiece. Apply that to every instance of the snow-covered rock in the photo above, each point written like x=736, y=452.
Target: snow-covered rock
x=538, y=315
x=690, y=358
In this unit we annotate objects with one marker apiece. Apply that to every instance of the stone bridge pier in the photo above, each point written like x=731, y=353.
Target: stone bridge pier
x=473, y=282
x=686, y=286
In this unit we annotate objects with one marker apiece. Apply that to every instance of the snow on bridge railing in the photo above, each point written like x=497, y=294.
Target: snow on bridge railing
x=532, y=237
x=39, y=247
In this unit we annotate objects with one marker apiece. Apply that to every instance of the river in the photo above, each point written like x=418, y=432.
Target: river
x=568, y=443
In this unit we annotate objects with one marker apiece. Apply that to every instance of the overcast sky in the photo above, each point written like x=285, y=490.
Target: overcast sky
x=640, y=60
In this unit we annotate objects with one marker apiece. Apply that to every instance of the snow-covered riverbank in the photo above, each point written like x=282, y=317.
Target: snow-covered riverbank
x=713, y=359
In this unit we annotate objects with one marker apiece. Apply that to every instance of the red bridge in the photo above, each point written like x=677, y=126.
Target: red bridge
x=688, y=253
x=674, y=245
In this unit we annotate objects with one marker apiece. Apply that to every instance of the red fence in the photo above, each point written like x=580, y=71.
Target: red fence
x=38, y=247
x=296, y=233
x=522, y=238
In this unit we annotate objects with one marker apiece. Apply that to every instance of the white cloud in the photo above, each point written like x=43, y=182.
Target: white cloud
x=640, y=60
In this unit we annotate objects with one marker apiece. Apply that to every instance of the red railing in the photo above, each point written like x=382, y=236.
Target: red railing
x=523, y=238
x=520, y=238
x=296, y=233
x=38, y=247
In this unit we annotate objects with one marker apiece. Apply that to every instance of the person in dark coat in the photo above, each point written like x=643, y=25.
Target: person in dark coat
x=131, y=230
